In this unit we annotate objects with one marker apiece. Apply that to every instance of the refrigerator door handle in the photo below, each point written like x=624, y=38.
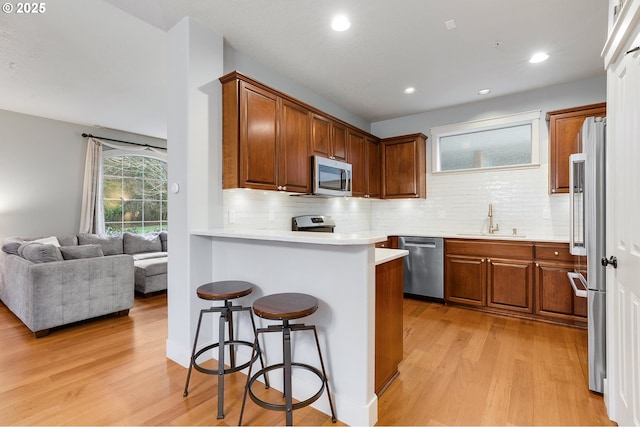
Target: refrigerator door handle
x=577, y=276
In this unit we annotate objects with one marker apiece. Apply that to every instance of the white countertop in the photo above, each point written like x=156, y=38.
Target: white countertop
x=486, y=236
x=385, y=255
x=362, y=238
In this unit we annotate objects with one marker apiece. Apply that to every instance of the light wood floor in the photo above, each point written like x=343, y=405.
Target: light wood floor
x=460, y=367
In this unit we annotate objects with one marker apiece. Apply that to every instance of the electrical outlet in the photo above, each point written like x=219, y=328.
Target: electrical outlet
x=233, y=216
x=442, y=214
x=272, y=215
x=546, y=214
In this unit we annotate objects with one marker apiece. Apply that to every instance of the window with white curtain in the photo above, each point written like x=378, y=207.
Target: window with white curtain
x=502, y=142
x=134, y=192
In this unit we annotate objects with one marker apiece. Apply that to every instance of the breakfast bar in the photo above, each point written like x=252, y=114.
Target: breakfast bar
x=339, y=269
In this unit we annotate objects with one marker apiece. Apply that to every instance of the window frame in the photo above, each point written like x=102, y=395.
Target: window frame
x=501, y=122
x=118, y=152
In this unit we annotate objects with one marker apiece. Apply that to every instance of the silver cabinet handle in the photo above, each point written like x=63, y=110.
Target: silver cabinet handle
x=556, y=253
x=577, y=276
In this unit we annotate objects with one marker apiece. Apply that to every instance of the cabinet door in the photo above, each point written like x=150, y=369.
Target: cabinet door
x=465, y=280
x=339, y=141
x=259, y=111
x=373, y=168
x=564, y=140
x=510, y=284
x=356, y=156
x=404, y=167
x=320, y=135
x=555, y=296
x=293, y=151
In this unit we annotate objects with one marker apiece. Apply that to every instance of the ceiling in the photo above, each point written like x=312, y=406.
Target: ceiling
x=103, y=62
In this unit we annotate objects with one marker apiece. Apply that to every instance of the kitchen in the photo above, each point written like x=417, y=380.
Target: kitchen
x=235, y=246
x=454, y=204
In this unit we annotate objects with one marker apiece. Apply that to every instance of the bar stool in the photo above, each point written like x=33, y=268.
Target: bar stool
x=286, y=307
x=224, y=291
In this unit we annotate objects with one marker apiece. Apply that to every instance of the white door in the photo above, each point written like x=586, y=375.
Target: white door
x=622, y=392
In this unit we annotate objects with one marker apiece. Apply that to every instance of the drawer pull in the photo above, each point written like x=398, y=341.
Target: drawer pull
x=556, y=253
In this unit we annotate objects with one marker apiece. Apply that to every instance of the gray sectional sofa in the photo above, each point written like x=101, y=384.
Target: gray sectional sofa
x=57, y=280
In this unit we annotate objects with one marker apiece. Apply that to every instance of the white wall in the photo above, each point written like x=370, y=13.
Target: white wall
x=456, y=202
x=235, y=61
x=41, y=173
x=194, y=133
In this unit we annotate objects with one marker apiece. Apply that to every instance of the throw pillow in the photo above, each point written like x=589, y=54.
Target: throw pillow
x=111, y=245
x=53, y=240
x=136, y=243
x=11, y=245
x=81, y=251
x=39, y=253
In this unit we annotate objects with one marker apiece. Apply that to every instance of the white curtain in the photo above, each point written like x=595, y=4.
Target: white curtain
x=92, y=214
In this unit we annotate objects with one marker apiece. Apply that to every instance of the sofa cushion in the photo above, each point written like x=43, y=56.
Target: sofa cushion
x=150, y=267
x=111, y=245
x=164, y=237
x=137, y=243
x=81, y=251
x=39, y=253
x=68, y=240
x=149, y=255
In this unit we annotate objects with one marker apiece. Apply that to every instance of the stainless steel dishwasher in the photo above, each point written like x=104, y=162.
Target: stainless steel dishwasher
x=423, y=267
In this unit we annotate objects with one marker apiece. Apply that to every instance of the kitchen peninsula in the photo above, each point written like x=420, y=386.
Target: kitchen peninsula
x=339, y=269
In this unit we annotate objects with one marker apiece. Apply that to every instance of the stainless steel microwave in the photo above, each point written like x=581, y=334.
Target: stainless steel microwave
x=331, y=177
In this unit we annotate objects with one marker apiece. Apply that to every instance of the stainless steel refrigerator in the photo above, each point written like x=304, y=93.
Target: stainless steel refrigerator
x=587, y=205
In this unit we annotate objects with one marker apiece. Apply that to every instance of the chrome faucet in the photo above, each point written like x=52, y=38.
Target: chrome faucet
x=492, y=228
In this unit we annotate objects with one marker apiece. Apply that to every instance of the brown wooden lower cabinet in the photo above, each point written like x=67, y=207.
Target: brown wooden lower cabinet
x=523, y=278
x=465, y=280
x=510, y=284
x=389, y=333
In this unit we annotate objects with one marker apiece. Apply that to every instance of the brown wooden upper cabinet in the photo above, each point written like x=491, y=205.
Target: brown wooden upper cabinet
x=404, y=165
x=564, y=140
x=356, y=156
x=328, y=138
x=265, y=138
x=372, y=161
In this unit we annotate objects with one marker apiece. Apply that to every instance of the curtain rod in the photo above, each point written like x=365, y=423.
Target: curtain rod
x=88, y=135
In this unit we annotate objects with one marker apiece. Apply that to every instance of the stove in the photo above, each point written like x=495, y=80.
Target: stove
x=316, y=223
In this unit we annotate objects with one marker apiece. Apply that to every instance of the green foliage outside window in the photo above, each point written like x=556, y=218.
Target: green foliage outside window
x=135, y=194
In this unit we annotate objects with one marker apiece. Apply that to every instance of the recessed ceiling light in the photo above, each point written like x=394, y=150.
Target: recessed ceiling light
x=538, y=57
x=340, y=23
x=410, y=90
x=484, y=91
x=450, y=24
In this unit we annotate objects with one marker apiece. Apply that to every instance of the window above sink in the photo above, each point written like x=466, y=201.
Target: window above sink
x=503, y=142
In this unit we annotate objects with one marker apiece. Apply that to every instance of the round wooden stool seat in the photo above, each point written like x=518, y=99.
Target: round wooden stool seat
x=224, y=290
x=285, y=306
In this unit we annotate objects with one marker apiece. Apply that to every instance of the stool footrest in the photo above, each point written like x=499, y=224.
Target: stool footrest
x=229, y=370
x=282, y=407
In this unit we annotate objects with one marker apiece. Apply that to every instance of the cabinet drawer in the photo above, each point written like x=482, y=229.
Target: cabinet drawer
x=490, y=249
x=553, y=252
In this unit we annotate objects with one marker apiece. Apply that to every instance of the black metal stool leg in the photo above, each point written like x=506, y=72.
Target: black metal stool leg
x=232, y=353
x=326, y=380
x=246, y=386
x=257, y=343
x=221, y=322
x=288, y=398
x=193, y=352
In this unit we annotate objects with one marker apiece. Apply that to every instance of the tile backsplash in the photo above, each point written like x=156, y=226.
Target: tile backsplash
x=456, y=203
